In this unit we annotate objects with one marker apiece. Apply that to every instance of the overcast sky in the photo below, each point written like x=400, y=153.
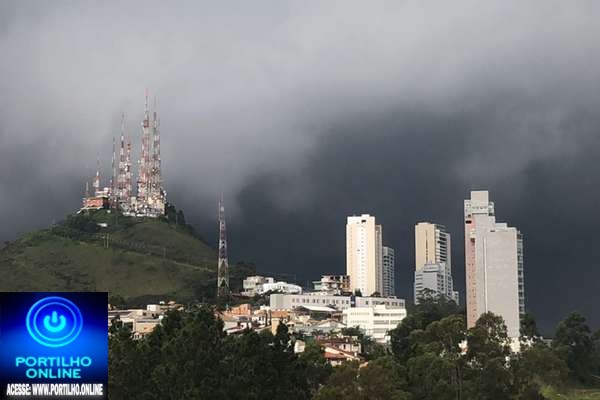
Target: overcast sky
x=305, y=112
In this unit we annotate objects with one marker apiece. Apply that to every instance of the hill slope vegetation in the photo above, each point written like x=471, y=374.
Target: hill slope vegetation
x=134, y=259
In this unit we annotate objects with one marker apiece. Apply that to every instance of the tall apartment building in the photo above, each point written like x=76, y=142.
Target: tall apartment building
x=388, y=264
x=432, y=250
x=364, y=254
x=432, y=245
x=494, y=264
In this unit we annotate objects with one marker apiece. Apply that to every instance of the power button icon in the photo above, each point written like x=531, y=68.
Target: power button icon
x=51, y=326
x=54, y=321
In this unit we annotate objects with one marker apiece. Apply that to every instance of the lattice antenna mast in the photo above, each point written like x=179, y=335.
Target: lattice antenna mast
x=96, y=182
x=145, y=165
x=121, y=178
x=113, y=179
x=156, y=161
x=223, y=263
x=128, y=189
x=87, y=193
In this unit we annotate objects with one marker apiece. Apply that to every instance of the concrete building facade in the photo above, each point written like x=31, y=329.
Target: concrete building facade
x=333, y=284
x=364, y=254
x=433, y=250
x=282, y=287
x=436, y=280
x=280, y=301
x=494, y=264
x=432, y=245
x=375, y=321
x=253, y=284
x=388, y=264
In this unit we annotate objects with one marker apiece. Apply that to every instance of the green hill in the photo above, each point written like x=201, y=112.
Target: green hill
x=134, y=259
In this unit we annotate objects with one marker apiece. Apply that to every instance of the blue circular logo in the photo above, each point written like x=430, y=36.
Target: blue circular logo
x=54, y=321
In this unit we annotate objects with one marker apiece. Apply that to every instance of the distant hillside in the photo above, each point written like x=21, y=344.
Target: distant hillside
x=134, y=259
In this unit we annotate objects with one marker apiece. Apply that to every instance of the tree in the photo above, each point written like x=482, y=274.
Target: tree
x=383, y=379
x=431, y=377
x=487, y=353
x=445, y=339
x=573, y=342
x=535, y=366
x=263, y=365
x=188, y=356
x=315, y=367
x=418, y=318
x=191, y=354
x=342, y=384
x=488, y=339
x=528, y=330
x=123, y=377
x=596, y=339
x=370, y=349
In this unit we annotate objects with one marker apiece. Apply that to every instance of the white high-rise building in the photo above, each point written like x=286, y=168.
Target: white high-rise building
x=494, y=265
x=432, y=249
x=388, y=275
x=364, y=254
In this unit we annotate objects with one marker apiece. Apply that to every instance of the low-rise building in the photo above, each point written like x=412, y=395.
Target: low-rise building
x=142, y=321
x=336, y=351
x=333, y=284
x=253, y=285
x=257, y=285
x=337, y=357
x=280, y=287
x=349, y=344
x=374, y=321
x=279, y=301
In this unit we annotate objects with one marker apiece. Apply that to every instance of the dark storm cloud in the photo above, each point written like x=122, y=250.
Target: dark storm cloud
x=402, y=167
x=305, y=113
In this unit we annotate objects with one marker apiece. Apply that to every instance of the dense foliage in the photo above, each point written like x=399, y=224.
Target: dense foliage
x=188, y=356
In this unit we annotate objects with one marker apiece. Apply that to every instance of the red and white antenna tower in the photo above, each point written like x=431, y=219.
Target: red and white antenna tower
x=128, y=188
x=145, y=172
x=121, y=178
x=156, y=161
x=113, y=179
x=96, y=183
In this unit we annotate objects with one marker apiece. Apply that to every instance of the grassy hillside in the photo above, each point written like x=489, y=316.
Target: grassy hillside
x=132, y=258
x=574, y=394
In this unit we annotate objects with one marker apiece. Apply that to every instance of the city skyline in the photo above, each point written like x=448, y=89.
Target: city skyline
x=302, y=116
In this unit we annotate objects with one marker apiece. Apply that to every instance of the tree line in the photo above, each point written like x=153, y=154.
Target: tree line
x=188, y=356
